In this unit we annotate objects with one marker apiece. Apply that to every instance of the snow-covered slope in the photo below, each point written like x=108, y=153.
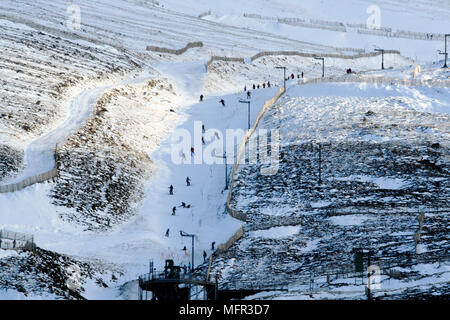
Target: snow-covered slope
x=358, y=164
x=111, y=107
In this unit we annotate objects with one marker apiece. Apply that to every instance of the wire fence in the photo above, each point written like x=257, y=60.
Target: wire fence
x=324, y=277
x=11, y=240
x=438, y=83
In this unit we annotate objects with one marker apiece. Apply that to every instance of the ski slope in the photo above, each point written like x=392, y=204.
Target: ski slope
x=113, y=37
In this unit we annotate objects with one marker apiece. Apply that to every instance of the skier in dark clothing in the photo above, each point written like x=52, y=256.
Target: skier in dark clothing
x=183, y=205
x=167, y=232
x=201, y=98
x=302, y=74
x=245, y=88
x=257, y=86
x=203, y=140
x=204, y=255
x=192, y=151
x=173, y=210
x=203, y=128
x=249, y=95
x=264, y=85
x=212, y=245
x=222, y=102
x=268, y=84
x=171, y=189
x=292, y=76
x=188, y=181
x=254, y=87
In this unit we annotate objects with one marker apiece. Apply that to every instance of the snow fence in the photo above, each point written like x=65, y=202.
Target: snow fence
x=300, y=54
x=236, y=213
x=29, y=181
x=176, y=51
x=438, y=83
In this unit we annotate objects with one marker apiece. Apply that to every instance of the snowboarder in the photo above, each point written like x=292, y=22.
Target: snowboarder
x=173, y=210
x=171, y=190
x=188, y=181
x=201, y=98
x=249, y=95
x=222, y=102
x=167, y=232
x=212, y=245
x=204, y=255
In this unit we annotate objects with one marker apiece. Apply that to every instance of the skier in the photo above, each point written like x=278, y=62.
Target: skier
x=188, y=181
x=173, y=210
x=171, y=189
x=189, y=266
x=217, y=135
x=192, y=151
x=203, y=140
x=264, y=85
x=183, y=204
x=204, y=255
x=201, y=98
x=212, y=245
x=222, y=102
x=292, y=76
x=203, y=128
x=167, y=232
x=257, y=86
x=249, y=95
x=302, y=74
x=184, y=248
x=245, y=88
x=268, y=84
x=254, y=87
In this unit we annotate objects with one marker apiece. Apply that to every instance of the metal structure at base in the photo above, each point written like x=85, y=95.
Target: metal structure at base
x=173, y=284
